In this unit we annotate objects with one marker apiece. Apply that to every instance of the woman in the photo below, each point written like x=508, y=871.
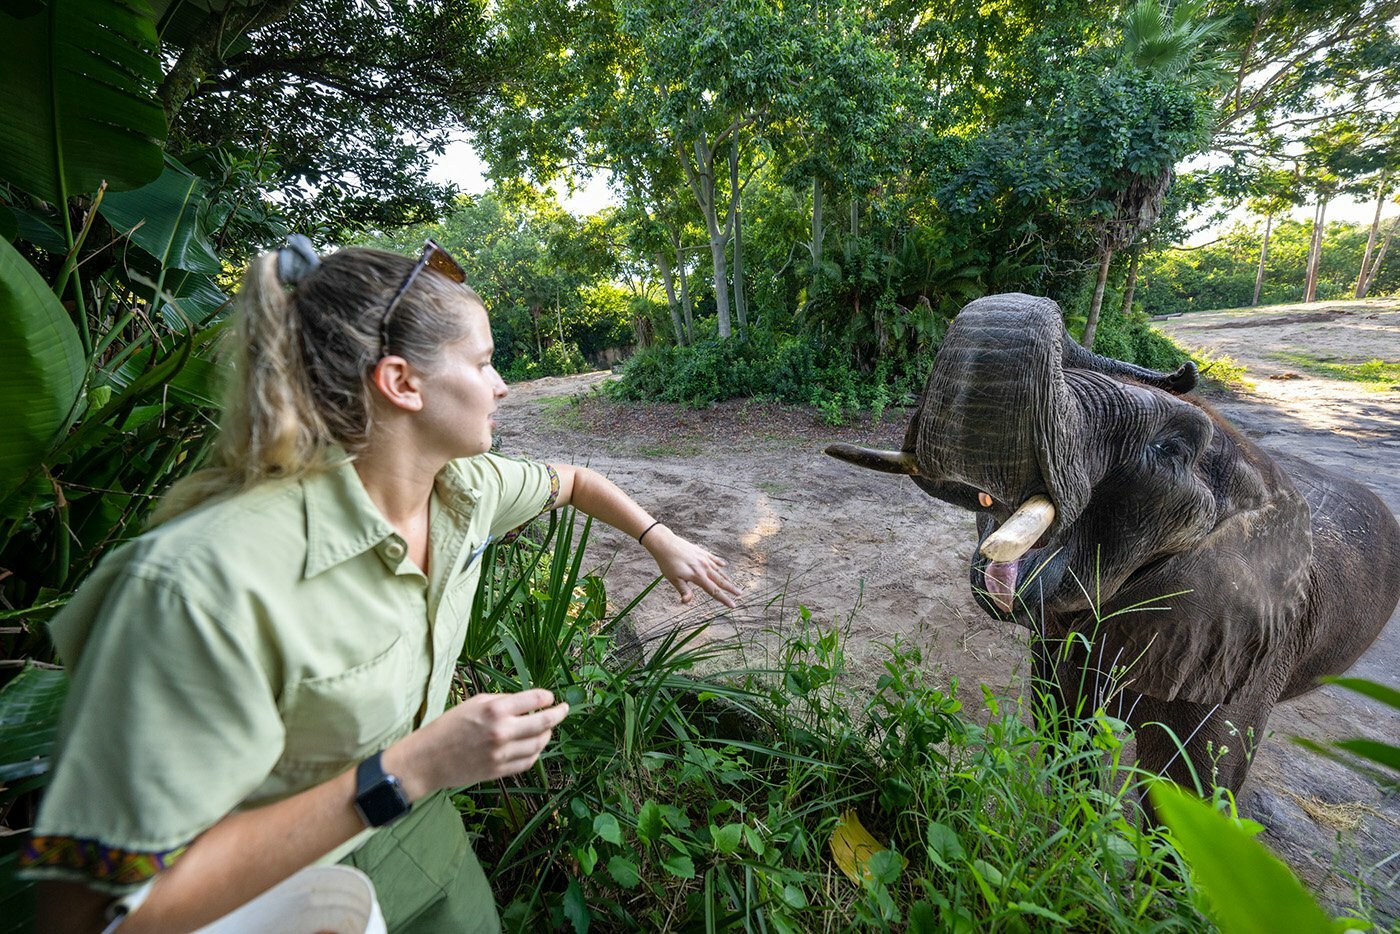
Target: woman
x=259, y=682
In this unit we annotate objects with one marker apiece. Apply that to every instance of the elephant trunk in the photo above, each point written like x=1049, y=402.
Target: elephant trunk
x=997, y=413
x=1178, y=382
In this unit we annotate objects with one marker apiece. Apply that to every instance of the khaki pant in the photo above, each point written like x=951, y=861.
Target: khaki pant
x=425, y=874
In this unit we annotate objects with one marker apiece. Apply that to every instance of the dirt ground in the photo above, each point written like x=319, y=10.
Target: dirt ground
x=749, y=480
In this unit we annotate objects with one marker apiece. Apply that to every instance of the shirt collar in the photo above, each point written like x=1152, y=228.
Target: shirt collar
x=343, y=522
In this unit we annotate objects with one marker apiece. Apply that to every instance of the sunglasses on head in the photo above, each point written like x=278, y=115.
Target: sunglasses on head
x=435, y=258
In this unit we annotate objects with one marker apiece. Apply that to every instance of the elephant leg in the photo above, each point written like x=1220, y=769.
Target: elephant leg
x=1199, y=745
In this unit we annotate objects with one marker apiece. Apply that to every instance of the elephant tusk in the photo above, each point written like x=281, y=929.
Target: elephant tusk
x=900, y=462
x=1017, y=534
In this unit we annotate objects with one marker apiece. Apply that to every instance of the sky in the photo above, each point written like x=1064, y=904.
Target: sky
x=460, y=164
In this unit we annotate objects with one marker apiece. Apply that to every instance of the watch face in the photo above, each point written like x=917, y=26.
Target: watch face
x=382, y=802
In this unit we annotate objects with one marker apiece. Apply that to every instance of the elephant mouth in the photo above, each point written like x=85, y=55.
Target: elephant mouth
x=1002, y=582
x=1008, y=547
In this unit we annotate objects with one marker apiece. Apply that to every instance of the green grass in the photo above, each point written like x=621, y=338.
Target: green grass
x=562, y=412
x=1375, y=375
x=1225, y=370
x=667, y=449
x=681, y=797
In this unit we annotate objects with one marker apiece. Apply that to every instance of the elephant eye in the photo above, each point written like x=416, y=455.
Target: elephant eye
x=1170, y=447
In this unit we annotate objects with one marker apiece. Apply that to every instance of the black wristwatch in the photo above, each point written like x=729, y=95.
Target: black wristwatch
x=379, y=796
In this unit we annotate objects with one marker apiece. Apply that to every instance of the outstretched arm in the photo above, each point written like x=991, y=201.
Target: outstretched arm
x=681, y=562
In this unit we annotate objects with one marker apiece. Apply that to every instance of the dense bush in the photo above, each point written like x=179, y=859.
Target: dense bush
x=1131, y=338
x=796, y=370
x=1221, y=274
x=818, y=373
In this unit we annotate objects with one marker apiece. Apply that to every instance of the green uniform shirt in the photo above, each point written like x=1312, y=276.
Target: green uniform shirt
x=252, y=648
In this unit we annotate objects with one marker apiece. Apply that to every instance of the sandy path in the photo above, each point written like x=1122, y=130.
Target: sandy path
x=749, y=480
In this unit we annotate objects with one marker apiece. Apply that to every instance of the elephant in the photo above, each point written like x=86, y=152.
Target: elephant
x=1163, y=559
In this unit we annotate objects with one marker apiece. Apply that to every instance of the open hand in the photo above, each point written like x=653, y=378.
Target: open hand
x=684, y=563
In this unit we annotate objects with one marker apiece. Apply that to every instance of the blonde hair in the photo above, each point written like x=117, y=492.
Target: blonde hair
x=302, y=362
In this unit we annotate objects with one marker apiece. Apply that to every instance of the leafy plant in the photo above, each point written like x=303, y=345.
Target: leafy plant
x=1250, y=890
x=681, y=795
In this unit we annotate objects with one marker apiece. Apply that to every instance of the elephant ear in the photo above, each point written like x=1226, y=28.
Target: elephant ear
x=1232, y=634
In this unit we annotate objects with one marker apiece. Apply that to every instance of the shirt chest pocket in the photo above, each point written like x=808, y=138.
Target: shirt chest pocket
x=343, y=717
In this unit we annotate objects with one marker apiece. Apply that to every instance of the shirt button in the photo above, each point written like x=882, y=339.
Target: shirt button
x=395, y=551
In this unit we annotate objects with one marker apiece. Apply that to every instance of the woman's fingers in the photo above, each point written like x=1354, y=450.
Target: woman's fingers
x=683, y=589
x=528, y=749
x=522, y=702
x=537, y=723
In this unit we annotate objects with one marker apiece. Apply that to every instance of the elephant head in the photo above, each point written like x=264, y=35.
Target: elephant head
x=1095, y=487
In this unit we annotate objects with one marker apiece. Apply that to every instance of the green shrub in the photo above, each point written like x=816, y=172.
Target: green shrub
x=799, y=370
x=563, y=358
x=677, y=800
x=1132, y=339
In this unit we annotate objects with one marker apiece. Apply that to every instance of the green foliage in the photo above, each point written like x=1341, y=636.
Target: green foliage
x=543, y=274
x=347, y=103
x=44, y=375
x=673, y=799
x=1131, y=338
x=797, y=370
x=79, y=107
x=1221, y=274
x=1249, y=890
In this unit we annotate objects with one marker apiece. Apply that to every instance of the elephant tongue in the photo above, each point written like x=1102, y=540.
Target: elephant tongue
x=1000, y=577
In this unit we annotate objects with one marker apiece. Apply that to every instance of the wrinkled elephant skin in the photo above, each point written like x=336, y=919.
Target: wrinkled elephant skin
x=1208, y=579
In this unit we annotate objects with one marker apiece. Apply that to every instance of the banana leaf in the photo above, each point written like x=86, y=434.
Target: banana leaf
x=199, y=381
x=9, y=225
x=80, y=104
x=44, y=370
x=29, y=710
x=43, y=229
x=163, y=218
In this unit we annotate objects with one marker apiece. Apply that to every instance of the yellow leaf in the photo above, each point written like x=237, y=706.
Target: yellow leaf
x=852, y=846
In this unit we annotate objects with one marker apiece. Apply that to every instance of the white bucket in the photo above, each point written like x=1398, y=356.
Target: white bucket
x=316, y=900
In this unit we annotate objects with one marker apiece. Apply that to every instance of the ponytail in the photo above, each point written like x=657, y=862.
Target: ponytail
x=302, y=362
x=270, y=429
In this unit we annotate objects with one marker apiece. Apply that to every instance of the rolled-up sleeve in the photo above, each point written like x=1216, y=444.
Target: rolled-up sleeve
x=521, y=490
x=171, y=722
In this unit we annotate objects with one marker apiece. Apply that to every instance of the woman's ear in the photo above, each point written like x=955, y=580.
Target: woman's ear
x=399, y=383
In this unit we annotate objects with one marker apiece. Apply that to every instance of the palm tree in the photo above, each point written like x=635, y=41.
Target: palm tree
x=1168, y=42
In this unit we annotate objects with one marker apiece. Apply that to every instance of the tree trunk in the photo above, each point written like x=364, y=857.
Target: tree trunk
x=1131, y=286
x=1263, y=255
x=1371, y=238
x=741, y=305
x=701, y=178
x=1380, y=258
x=668, y=277
x=1315, y=255
x=1091, y=325
x=687, y=305
x=855, y=216
x=816, y=247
